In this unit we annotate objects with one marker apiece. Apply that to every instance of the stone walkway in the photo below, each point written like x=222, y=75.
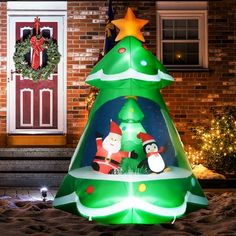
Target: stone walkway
x=34, y=194
x=27, y=193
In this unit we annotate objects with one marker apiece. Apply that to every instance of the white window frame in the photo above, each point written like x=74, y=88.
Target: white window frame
x=184, y=10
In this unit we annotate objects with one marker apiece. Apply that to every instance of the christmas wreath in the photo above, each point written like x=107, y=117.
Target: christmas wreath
x=39, y=44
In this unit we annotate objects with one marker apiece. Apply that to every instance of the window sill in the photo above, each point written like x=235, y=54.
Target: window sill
x=189, y=69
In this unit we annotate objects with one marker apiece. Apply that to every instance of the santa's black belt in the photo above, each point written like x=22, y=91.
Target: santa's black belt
x=107, y=160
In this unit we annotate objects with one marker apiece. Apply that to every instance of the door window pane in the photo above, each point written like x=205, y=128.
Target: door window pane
x=46, y=33
x=26, y=33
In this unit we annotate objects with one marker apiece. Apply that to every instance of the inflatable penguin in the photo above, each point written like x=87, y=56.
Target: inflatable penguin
x=154, y=162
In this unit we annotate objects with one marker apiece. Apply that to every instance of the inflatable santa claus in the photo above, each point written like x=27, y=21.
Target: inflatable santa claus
x=109, y=156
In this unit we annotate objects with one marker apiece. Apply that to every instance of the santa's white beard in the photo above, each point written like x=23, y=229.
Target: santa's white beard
x=110, y=145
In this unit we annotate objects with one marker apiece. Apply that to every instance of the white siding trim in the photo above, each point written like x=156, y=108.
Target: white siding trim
x=37, y=5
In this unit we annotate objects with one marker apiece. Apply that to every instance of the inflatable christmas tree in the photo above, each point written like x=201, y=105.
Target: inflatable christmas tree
x=130, y=165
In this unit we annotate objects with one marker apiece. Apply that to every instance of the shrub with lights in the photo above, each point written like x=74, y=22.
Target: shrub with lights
x=216, y=142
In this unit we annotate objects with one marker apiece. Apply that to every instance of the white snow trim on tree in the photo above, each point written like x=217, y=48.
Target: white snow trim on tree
x=87, y=173
x=130, y=73
x=130, y=203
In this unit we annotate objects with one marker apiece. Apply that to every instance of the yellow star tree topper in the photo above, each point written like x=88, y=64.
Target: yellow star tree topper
x=130, y=26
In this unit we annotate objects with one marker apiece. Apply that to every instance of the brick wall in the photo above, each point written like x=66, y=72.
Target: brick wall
x=86, y=25
x=189, y=99
x=193, y=94
x=3, y=74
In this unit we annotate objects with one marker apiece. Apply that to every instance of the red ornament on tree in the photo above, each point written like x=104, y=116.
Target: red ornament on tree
x=121, y=50
x=90, y=189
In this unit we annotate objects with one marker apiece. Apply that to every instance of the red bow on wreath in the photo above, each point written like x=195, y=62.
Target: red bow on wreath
x=36, y=44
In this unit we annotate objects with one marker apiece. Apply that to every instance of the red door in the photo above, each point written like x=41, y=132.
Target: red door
x=36, y=103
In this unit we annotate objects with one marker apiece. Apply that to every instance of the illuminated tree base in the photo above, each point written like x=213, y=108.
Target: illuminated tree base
x=129, y=198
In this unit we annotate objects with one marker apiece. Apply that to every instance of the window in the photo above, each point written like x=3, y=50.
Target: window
x=182, y=34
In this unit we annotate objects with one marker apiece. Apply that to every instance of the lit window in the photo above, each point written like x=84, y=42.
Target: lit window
x=182, y=34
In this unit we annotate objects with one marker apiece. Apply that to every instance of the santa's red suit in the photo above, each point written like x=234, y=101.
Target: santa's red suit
x=108, y=161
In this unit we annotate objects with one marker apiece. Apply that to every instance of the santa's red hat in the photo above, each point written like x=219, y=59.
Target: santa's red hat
x=146, y=138
x=114, y=128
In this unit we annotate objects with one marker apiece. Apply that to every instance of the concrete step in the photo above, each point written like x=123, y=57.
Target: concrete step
x=33, y=167
x=31, y=179
x=36, y=152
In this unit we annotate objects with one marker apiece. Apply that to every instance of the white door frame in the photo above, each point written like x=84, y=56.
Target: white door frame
x=46, y=11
